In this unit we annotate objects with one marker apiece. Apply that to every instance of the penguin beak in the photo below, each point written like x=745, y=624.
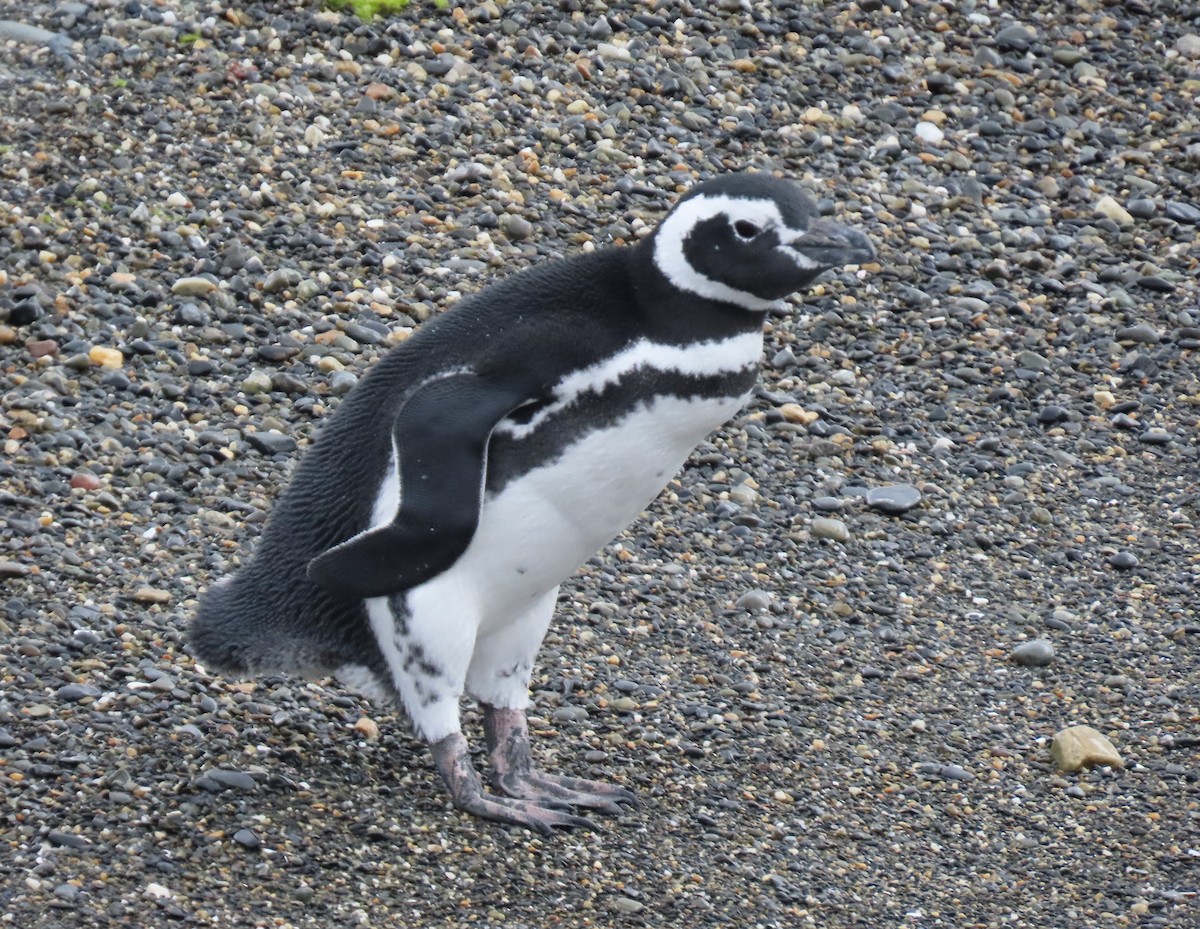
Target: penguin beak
x=827, y=244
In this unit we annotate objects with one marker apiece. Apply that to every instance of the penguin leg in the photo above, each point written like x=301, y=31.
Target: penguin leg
x=427, y=637
x=499, y=679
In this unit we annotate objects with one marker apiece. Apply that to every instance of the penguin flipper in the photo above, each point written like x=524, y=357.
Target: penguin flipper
x=440, y=438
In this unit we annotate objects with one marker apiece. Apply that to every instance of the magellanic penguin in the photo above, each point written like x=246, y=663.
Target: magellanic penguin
x=417, y=552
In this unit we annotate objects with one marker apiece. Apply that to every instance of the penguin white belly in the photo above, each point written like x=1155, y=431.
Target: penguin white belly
x=541, y=526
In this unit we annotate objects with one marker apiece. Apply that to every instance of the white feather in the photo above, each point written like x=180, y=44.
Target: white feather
x=717, y=356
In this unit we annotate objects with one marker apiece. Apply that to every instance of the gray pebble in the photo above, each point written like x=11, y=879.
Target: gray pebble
x=824, y=527
x=1036, y=653
x=893, y=499
x=754, y=601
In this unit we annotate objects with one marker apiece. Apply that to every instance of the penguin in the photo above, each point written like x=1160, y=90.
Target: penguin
x=417, y=552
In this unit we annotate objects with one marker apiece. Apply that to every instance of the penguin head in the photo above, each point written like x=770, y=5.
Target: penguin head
x=751, y=239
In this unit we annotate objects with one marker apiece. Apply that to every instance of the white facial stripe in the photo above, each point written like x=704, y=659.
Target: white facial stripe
x=673, y=263
x=718, y=356
x=803, y=262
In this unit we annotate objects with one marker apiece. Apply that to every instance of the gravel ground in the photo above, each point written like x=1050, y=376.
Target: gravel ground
x=214, y=217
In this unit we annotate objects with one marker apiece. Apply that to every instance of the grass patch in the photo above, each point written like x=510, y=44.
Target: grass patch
x=369, y=9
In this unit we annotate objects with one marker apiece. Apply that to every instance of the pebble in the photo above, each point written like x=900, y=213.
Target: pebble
x=256, y=382
x=1078, y=747
x=247, y=838
x=218, y=779
x=755, y=601
x=105, y=357
x=1123, y=561
x=824, y=527
x=1188, y=45
x=271, y=442
x=151, y=595
x=1182, y=212
x=1109, y=207
x=929, y=133
x=1036, y=653
x=893, y=499
x=193, y=287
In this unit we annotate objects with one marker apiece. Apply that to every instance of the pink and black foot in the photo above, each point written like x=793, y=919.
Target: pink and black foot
x=513, y=774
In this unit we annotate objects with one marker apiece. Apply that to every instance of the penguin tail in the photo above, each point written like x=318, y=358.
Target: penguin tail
x=217, y=634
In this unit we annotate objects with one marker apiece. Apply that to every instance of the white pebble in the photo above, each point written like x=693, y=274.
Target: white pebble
x=928, y=133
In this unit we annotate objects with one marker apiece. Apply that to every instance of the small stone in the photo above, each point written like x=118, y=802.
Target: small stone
x=271, y=442
x=247, y=839
x=193, y=287
x=1142, y=208
x=515, y=227
x=1050, y=414
x=1188, y=45
x=795, y=413
x=827, y=504
x=105, y=357
x=893, y=499
x=378, y=91
x=1183, y=212
x=151, y=595
x=1036, y=653
x=1078, y=747
x=256, y=382
x=13, y=569
x=1123, y=561
x=1104, y=399
x=281, y=279
x=1107, y=206
x=1156, y=436
x=754, y=601
x=367, y=728
x=929, y=133
x=66, y=839
x=40, y=348
x=342, y=382
x=1015, y=38
x=73, y=693
x=218, y=779
x=627, y=906
x=824, y=527
x=85, y=480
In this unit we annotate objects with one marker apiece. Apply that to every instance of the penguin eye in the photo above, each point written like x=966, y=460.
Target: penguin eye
x=745, y=229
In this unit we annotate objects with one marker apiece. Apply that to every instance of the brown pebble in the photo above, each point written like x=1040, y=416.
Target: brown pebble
x=795, y=413
x=85, y=480
x=368, y=728
x=39, y=348
x=377, y=91
x=1078, y=747
x=151, y=595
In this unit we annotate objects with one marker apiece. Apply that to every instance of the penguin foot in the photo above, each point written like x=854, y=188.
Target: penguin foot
x=507, y=733
x=554, y=789
x=453, y=761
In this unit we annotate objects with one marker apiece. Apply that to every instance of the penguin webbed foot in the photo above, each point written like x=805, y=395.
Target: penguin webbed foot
x=507, y=733
x=453, y=761
x=548, y=789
